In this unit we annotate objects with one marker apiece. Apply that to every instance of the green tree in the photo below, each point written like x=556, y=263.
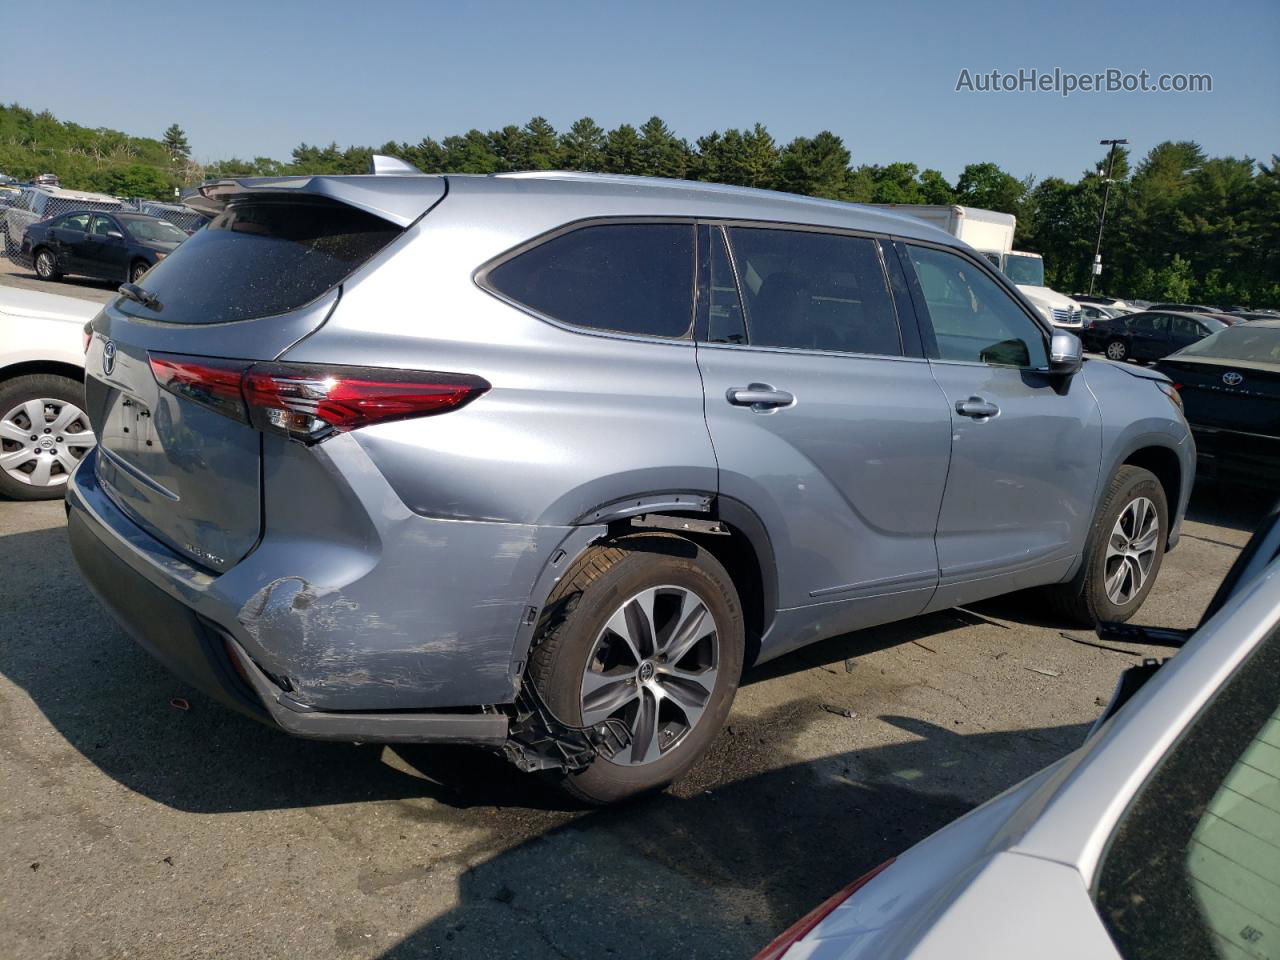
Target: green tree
x=985, y=185
x=622, y=150
x=175, y=141
x=661, y=152
x=817, y=166
x=582, y=147
x=541, y=144
x=935, y=189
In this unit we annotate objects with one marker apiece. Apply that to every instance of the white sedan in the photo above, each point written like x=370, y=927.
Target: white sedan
x=43, y=427
x=1158, y=838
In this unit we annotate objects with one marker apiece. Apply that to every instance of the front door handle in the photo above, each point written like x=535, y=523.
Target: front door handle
x=759, y=396
x=977, y=408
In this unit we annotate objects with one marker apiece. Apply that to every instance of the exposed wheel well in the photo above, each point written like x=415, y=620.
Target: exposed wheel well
x=745, y=567
x=1164, y=463
x=68, y=370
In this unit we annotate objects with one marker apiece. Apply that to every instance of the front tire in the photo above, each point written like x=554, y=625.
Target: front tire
x=1123, y=554
x=44, y=433
x=646, y=631
x=138, y=270
x=47, y=265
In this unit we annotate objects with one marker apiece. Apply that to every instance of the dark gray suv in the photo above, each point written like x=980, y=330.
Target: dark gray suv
x=542, y=461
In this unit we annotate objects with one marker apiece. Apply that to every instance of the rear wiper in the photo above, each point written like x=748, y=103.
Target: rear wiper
x=142, y=296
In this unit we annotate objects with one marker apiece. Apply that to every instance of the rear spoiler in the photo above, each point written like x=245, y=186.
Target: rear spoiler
x=393, y=190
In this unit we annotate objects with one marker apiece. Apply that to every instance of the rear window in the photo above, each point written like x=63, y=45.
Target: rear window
x=632, y=278
x=1240, y=342
x=1193, y=871
x=260, y=257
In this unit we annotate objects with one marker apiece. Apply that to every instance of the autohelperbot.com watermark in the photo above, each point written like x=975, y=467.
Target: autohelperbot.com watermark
x=1065, y=82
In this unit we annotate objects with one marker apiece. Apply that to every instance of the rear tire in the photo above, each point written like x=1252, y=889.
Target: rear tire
x=1123, y=554
x=613, y=585
x=1117, y=350
x=50, y=409
x=47, y=265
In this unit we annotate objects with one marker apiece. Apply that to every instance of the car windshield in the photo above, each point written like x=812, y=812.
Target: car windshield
x=153, y=231
x=1194, y=868
x=1024, y=270
x=1240, y=342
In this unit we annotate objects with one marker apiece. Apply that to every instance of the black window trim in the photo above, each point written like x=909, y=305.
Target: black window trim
x=925, y=322
x=480, y=277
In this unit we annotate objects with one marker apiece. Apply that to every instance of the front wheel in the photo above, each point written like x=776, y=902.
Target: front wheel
x=1117, y=350
x=138, y=270
x=1123, y=554
x=47, y=265
x=646, y=632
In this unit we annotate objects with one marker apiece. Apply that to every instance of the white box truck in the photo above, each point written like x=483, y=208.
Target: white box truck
x=991, y=234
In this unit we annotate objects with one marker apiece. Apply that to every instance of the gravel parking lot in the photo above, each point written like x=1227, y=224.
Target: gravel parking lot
x=136, y=824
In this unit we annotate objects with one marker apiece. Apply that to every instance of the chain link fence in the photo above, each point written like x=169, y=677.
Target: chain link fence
x=33, y=204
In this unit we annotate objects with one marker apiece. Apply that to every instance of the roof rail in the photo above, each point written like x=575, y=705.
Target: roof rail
x=382, y=165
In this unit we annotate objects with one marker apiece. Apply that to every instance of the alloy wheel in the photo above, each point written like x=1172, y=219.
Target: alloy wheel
x=653, y=667
x=45, y=265
x=1131, y=551
x=42, y=440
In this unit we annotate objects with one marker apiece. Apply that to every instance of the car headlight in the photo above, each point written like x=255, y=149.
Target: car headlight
x=160, y=256
x=1170, y=390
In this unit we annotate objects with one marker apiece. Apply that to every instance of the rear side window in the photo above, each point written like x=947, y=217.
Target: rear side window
x=262, y=256
x=814, y=291
x=634, y=278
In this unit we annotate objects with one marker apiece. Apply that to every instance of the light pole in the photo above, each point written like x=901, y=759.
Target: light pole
x=1094, y=268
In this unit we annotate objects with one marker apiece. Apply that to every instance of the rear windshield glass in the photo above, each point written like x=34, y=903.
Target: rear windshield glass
x=1241, y=342
x=259, y=257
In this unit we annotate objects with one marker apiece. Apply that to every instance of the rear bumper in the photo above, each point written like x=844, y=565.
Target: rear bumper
x=243, y=638
x=1248, y=459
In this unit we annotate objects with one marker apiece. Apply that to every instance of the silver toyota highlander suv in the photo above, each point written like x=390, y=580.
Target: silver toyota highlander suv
x=542, y=461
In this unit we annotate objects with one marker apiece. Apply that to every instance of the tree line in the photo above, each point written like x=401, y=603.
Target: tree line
x=1180, y=225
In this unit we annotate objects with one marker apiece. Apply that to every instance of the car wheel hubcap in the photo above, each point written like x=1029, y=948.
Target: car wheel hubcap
x=42, y=440
x=45, y=265
x=1115, y=351
x=1131, y=551
x=653, y=669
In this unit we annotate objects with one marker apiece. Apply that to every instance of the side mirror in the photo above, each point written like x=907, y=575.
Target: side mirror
x=115, y=234
x=1066, y=353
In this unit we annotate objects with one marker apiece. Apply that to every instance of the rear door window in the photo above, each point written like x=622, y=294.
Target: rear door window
x=260, y=257
x=634, y=278
x=77, y=221
x=814, y=291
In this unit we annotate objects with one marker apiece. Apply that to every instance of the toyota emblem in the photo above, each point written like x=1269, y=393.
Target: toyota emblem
x=108, y=357
x=1232, y=379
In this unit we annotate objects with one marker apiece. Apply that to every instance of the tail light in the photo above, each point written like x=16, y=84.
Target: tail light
x=800, y=929
x=311, y=402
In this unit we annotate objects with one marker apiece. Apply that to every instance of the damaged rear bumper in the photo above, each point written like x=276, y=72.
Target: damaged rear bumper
x=274, y=667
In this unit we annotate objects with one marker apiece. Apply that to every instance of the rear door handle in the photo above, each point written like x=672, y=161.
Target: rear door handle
x=759, y=396
x=977, y=408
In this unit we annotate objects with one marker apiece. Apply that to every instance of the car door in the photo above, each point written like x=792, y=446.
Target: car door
x=1149, y=336
x=68, y=236
x=824, y=421
x=106, y=252
x=1025, y=445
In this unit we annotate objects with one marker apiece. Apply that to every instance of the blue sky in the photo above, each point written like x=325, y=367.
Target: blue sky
x=257, y=78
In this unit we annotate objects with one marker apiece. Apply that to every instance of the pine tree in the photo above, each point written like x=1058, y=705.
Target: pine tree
x=175, y=140
x=582, y=147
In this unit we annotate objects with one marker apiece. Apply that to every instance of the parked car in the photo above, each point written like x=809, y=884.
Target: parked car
x=44, y=431
x=42, y=203
x=180, y=215
x=468, y=479
x=109, y=246
x=1159, y=837
x=1257, y=315
x=1230, y=385
x=1152, y=334
x=1097, y=324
